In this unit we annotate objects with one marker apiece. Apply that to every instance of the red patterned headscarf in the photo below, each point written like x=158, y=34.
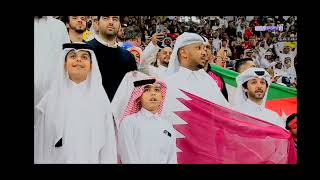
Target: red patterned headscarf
x=134, y=105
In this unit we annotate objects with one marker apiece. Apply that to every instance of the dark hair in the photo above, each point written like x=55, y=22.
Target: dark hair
x=241, y=62
x=132, y=32
x=64, y=19
x=289, y=119
x=120, y=18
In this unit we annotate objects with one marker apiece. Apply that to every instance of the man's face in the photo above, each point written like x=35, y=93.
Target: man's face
x=256, y=88
x=126, y=19
x=109, y=25
x=247, y=65
x=95, y=23
x=174, y=22
x=231, y=25
x=77, y=23
x=287, y=63
x=215, y=34
x=137, y=42
x=78, y=64
x=225, y=35
x=164, y=56
x=210, y=40
x=268, y=57
x=151, y=98
x=196, y=54
x=224, y=43
x=278, y=65
x=120, y=33
x=249, y=54
x=209, y=50
x=220, y=61
x=267, y=35
x=147, y=41
x=286, y=49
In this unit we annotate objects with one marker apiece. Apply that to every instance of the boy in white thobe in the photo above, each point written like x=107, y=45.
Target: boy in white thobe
x=73, y=121
x=145, y=137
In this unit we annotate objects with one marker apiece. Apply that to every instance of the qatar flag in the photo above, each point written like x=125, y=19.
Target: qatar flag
x=211, y=134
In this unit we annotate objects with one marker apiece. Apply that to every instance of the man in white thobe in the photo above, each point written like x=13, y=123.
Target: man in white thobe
x=186, y=71
x=251, y=94
x=49, y=35
x=286, y=52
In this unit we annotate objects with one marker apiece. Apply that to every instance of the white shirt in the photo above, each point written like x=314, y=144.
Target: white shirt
x=216, y=42
x=282, y=56
x=223, y=22
x=198, y=83
x=159, y=72
x=148, y=55
x=258, y=111
x=145, y=138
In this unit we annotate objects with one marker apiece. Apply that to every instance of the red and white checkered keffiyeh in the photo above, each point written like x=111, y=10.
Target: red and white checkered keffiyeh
x=134, y=106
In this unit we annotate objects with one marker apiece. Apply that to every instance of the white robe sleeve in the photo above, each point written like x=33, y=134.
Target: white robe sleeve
x=149, y=55
x=127, y=149
x=39, y=137
x=108, y=153
x=39, y=130
x=276, y=49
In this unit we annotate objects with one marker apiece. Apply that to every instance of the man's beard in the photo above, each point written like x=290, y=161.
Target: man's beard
x=200, y=66
x=254, y=95
x=165, y=63
x=80, y=30
x=113, y=33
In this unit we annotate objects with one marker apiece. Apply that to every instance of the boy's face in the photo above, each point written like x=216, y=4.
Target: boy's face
x=78, y=64
x=151, y=97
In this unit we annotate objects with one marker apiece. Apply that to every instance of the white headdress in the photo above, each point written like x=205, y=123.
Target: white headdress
x=245, y=76
x=183, y=40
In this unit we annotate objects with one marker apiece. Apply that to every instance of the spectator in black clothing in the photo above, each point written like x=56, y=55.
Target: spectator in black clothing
x=114, y=62
x=231, y=30
x=244, y=64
